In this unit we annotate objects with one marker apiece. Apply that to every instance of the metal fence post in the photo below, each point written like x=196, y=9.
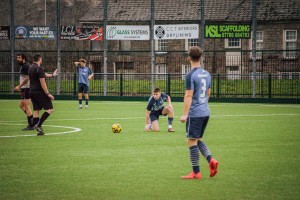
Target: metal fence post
x=169, y=84
x=270, y=87
x=74, y=84
x=12, y=44
x=218, y=87
x=121, y=84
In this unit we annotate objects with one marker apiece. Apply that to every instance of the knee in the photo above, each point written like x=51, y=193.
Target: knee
x=155, y=129
x=50, y=111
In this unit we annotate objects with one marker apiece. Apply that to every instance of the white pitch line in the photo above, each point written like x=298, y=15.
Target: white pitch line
x=256, y=115
x=31, y=135
x=133, y=118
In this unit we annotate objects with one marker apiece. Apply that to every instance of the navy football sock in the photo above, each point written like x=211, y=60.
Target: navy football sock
x=204, y=150
x=170, y=120
x=194, y=155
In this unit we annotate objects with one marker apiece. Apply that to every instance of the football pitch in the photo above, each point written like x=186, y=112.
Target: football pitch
x=257, y=146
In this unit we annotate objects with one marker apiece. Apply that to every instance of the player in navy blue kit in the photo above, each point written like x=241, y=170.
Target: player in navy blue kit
x=85, y=74
x=196, y=114
x=156, y=108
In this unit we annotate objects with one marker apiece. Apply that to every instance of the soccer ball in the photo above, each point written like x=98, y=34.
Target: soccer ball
x=116, y=128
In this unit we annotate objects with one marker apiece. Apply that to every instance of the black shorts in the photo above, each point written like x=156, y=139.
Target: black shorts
x=40, y=100
x=195, y=127
x=83, y=88
x=25, y=93
x=154, y=115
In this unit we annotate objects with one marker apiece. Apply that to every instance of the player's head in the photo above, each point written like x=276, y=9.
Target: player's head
x=37, y=58
x=156, y=93
x=82, y=62
x=195, y=54
x=21, y=58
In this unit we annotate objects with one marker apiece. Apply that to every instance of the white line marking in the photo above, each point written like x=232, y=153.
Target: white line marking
x=133, y=118
x=27, y=135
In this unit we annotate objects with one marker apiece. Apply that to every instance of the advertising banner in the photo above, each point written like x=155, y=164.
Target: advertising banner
x=81, y=32
x=176, y=31
x=4, y=32
x=119, y=32
x=238, y=31
x=35, y=32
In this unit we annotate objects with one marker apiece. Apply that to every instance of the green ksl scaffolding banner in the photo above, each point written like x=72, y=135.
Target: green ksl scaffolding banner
x=238, y=31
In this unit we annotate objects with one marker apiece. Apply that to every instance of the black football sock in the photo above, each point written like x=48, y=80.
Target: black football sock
x=35, y=120
x=87, y=102
x=80, y=101
x=43, y=118
x=29, y=119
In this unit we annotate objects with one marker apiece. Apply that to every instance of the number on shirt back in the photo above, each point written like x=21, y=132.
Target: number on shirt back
x=203, y=88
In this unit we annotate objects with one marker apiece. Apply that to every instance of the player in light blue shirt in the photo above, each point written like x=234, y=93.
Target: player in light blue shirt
x=196, y=113
x=85, y=74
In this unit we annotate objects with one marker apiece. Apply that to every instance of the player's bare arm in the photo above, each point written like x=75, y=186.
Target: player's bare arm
x=54, y=74
x=147, y=117
x=208, y=93
x=187, y=104
x=169, y=102
x=25, y=80
x=44, y=86
x=147, y=120
x=90, y=76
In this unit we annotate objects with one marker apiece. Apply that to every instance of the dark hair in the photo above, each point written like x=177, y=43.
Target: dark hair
x=36, y=57
x=23, y=56
x=195, y=53
x=156, y=90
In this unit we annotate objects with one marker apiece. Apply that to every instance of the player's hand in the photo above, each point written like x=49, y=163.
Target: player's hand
x=183, y=118
x=17, y=88
x=51, y=96
x=146, y=127
x=55, y=73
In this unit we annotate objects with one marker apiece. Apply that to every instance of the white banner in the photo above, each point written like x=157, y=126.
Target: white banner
x=176, y=31
x=118, y=32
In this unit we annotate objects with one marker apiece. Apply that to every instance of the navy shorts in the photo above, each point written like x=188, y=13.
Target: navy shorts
x=195, y=127
x=154, y=115
x=25, y=93
x=83, y=88
x=40, y=100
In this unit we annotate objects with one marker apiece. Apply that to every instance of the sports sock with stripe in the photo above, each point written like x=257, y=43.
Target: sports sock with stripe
x=204, y=150
x=194, y=156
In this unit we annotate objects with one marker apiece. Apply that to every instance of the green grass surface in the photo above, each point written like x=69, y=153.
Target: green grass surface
x=257, y=146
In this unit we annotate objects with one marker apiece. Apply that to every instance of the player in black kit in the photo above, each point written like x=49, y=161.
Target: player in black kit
x=24, y=102
x=39, y=93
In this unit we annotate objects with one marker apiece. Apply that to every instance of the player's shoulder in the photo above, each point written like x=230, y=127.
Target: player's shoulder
x=205, y=71
x=164, y=95
x=26, y=65
x=151, y=98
